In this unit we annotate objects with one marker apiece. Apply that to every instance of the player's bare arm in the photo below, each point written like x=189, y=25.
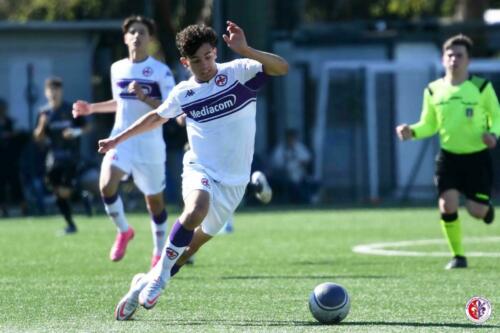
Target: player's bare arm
x=273, y=64
x=39, y=132
x=149, y=121
x=490, y=140
x=135, y=88
x=404, y=132
x=84, y=108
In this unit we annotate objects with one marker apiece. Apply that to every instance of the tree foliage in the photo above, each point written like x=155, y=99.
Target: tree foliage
x=336, y=10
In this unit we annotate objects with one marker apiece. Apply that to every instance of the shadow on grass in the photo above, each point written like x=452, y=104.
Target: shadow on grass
x=292, y=323
x=295, y=277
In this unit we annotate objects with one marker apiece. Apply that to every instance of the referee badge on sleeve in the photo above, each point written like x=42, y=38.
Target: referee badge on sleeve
x=469, y=112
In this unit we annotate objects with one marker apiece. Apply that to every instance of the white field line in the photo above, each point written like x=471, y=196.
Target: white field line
x=391, y=248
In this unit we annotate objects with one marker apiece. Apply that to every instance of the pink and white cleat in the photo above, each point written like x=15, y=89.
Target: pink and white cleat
x=120, y=245
x=148, y=297
x=129, y=303
x=154, y=260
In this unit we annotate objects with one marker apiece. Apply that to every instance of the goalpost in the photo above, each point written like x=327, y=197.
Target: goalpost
x=362, y=155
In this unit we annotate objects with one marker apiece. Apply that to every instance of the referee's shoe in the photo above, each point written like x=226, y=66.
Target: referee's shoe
x=457, y=262
x=490, y=215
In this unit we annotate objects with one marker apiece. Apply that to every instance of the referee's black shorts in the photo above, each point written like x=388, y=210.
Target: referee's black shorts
x=470, y=174
x=62, y=174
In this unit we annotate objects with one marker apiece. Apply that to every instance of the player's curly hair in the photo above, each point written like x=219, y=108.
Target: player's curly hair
x=190, y=39
x=149, y=23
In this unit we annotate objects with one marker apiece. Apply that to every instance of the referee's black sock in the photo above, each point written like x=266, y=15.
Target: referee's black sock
x=65, y=209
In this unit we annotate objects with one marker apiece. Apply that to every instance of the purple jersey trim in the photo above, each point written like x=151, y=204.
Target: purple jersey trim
x=220, y=105
x=150, y=88
x=211, y=96
x=257, y=81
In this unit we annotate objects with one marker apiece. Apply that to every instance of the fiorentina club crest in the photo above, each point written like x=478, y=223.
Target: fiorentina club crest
x=171, y=253
x=478, y=310
x=147, y=71
x=221, y=80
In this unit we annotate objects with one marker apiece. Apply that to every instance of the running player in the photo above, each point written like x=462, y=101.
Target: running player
x=464, y=110
x=139, y=84
x=220, y=103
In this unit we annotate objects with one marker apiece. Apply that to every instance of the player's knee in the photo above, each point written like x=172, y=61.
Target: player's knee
x=196, y=213
x=155, y=205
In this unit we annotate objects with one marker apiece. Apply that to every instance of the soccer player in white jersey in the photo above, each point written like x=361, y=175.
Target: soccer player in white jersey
x=219, y=101
x=139, y=84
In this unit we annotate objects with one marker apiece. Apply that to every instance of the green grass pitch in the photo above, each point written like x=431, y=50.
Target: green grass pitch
x=257, y=279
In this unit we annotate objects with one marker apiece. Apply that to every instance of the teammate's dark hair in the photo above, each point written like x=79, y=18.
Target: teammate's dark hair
x=190, y=39
x=53, y=82
x=460, y=39
x=149, y=23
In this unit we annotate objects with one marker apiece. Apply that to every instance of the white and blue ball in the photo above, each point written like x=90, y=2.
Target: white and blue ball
x=329, y=303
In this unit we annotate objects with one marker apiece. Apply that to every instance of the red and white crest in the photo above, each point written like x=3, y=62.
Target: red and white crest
x=205, y=182
x=221, y=80
x=147, y=71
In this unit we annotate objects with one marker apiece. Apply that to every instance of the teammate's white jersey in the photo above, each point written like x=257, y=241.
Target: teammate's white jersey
x=220, y=119
x=156, y=80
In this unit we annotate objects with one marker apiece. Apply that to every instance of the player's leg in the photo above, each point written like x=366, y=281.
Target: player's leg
x=199, y=239
x=63, y=195
x=59, y=179
x=150, y=179
x=196, y=208
x=109, y=182
x=449, y=181
x=479, y=180
x=452, y=228
x=156, y=208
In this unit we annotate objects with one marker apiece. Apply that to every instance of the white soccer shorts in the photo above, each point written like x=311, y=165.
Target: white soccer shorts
x=223, y=199
x=148, y=177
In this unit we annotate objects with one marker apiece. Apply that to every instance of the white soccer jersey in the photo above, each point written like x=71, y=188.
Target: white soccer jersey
x=157, y=81
x=220, y=119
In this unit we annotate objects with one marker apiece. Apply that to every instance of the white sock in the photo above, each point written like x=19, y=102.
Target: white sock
x=159, y=232
x=167, y=261
x=116, y=213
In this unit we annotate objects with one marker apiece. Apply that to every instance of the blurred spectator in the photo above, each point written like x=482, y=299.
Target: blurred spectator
x=57, y=128
x=289, y=175
x=10, y=146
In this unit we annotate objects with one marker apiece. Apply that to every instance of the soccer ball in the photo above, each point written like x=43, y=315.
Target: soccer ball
x=329, y=303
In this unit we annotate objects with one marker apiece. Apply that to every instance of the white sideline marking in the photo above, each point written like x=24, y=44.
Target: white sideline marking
x=380, y=248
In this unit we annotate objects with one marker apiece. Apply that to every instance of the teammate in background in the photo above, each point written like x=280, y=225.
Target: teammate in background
x=62, y=133
x=464, y=110
x=139, y=84
x=220, y=104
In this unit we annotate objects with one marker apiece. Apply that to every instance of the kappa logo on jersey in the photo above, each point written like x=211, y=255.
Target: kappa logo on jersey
x=205, y=182
x=171, y=253
x=147, y=71
x=189, y=93
x=221, y=80
x=114, y=157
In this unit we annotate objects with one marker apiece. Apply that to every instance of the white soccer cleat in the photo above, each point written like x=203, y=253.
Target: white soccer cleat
x=129, y=303
x=148, y=297
x=264, y=192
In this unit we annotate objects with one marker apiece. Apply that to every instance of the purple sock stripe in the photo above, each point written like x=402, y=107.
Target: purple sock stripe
x=175, y=268
x=180, y=236
x=160, y=218
x=110, y=200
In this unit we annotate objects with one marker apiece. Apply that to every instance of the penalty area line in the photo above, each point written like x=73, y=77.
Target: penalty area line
x=393, y=248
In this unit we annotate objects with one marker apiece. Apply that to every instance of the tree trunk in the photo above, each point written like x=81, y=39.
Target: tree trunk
x=470, y=10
